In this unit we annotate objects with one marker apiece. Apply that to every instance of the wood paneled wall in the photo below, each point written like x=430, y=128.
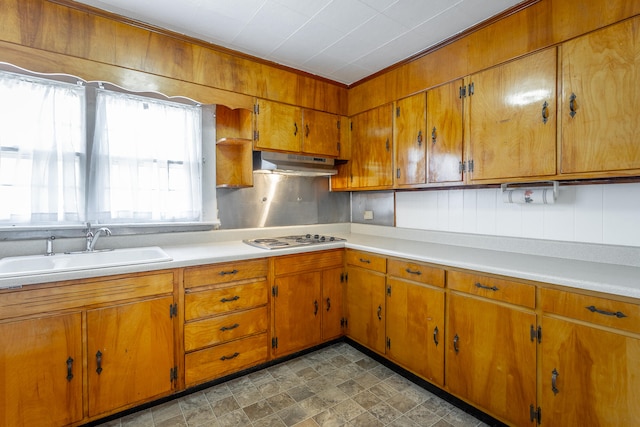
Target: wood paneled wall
x=48, y=37
x=538, y=26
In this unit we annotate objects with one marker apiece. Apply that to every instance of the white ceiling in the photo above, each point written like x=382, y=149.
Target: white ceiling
x=342, y=40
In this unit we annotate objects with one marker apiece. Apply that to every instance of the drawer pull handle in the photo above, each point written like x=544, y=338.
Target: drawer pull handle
x=618, y=314
x=235, y=298
x=69, y=369
x=416, y=272
x=99, y=362
x=228, y=328
x=489, y=288
x=328, y=304
x=233, y=356
x=379, y=312
x=435, y=336
x=456, y=339
x=224, y=273
x=572, y=105
x=554, y=380
x=366, y=261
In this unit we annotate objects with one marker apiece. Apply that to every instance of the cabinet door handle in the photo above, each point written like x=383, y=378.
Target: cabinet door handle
x=366, y=261
x=545, y=112
x=235, y=298
x=410, y=271
x=233, y=356
x=379, y=312
x=328, y=304
x=554, y=381
x=306, y=131
x=617, y=314
x=224, y=273
x=489, y=288
x=228, y=328
x=572, y=105
x=433, y=135
x=419, y=138
x=69, y=368
x=99, y=362
x=315, y=308
x=295, y=129
x=387, y=144
x=456, y=339
x=435, y=336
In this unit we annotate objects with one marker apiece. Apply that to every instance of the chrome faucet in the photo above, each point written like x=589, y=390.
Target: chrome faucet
x=92, y=238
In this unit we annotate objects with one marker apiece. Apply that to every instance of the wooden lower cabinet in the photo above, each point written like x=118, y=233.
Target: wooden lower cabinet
x=226, y=319
x=491, y=357
x=41, y=371
x=307, y=301
x=130, y=353
x=415, y=318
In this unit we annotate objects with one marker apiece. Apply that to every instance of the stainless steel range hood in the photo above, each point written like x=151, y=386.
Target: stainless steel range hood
x=292, y=164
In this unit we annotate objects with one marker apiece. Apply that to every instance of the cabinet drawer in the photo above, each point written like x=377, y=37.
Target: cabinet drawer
x=601, y=311
x=308, y=262
x=367, y=260
x=497, y=289
x=224, y=299
x=215, y=362
x=416, y=272
x=215, y=330
x=225, y=273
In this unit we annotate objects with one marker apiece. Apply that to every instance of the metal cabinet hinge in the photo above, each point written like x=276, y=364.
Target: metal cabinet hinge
x=397, y=111
x=256, y=109
x=256, y=135
x=274, y=342
x=173, y=374
x=389, y=343
x=350, y=125
x=343, y=322
x=173, y=311
x=536, y=334
x=535, y=414
x=462, y=167
x=470, y=165
x=274, y=291
x=463, y=91
x=389, y=290
x=338, y=124
x=471, y=89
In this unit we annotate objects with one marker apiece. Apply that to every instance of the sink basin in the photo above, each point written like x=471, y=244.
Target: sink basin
x=41, y=264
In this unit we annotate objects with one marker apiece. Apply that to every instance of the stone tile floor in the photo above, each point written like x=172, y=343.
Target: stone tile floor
x=334, y=386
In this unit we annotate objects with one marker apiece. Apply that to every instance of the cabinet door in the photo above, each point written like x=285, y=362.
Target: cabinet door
x=491, y=358
x=41, y=371
x=332, y=303
x=130, y=353
x=444, y=133
x=415, y=328
x=366, y=308
x=589, y=376
x=279, y=127
x=297, y=312
x=409, y=140
x=321, y=133
x=371, y=149
x=511, y=118
x=601, y=100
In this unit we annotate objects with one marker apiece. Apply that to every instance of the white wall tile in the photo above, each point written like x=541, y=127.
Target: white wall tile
x=588, y=213
x=443, y=210
x=508, y=218
x=456, y=210
x=486, y=216
x=559, y=218
x=621, y=214
x=533, y=221
x=470, y=214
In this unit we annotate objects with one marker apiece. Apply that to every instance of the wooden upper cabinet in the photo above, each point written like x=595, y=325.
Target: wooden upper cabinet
x=321, y=133
x=601, y=100
x=512, y=120
x=444, y=133
x=278, y=127
x=371, y=149
x=281, y=127
x=409, y=140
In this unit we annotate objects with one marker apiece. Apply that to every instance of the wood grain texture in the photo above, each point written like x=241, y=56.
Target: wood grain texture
x=498, y=289
x=291, y=264
x=410, y=140
x=332, y=305
x=225, y=299
x=213, y=274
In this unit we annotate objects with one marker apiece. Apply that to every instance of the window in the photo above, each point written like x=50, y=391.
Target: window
x=77, y=153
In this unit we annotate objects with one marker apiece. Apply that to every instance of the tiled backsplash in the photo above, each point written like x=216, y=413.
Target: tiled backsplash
x=603, y=214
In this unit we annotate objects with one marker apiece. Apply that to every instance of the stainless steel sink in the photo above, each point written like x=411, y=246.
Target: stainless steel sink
x=41, y=264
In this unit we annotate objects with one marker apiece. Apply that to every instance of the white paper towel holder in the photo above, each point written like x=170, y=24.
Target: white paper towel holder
x=530, y=193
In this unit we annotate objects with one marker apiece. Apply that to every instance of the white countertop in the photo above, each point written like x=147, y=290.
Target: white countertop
x=614, y=279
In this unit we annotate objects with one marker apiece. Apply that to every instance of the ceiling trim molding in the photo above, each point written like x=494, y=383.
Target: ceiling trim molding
x=511, y=11
x=81, y=7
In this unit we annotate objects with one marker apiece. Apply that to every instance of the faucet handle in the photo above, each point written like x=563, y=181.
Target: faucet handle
x=49, y=251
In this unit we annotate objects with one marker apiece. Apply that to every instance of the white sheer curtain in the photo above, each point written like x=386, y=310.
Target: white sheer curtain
x=42, y=151
x=145, y=160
